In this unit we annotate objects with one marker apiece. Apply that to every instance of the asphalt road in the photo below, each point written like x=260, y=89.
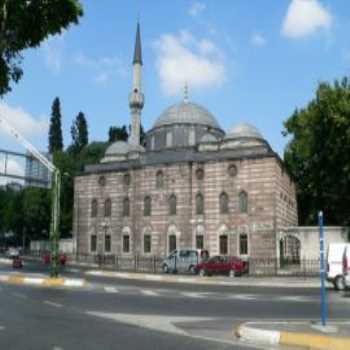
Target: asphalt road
x=127, y=314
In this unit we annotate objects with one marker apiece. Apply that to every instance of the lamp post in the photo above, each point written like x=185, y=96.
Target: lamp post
x=322, y=272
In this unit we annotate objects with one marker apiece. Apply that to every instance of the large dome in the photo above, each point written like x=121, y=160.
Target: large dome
x=186, y=113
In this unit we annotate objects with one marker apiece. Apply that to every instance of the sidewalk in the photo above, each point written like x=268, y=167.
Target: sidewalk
x=310, y=335
x=281, y=282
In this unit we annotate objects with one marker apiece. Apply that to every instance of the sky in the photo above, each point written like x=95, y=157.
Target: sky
x=253, y=61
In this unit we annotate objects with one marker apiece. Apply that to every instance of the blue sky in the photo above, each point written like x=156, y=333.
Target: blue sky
x=253, y=61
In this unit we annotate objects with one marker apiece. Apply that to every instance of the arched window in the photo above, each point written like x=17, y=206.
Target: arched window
x=159, y=179
x=172, y=243
x=199, y=204
x=126, y=244
x=223, y=203
x=243, y=202
x=127, y=179
x=126, y=207
x=199, y=241
x=147, y=206
x=147, y=243
x=223, y=244
x=200, y=174
x=243, y=244
x=172, y=205
x=108, y=207
x=94, y=208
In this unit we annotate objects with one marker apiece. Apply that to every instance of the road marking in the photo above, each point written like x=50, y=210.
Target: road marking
x=150, y=293
x=244, y=297
x=20, y=295
x=162, y=323
x=57, y=348
x=51, y=303
x=193, y=295
x=295, y=298
x=111, y=290
x=73, y=270
x=2, y=328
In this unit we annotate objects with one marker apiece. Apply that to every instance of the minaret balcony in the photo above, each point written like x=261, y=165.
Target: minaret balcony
x=136, y=99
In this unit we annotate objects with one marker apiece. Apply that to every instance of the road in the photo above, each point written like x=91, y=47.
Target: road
x=128, y=314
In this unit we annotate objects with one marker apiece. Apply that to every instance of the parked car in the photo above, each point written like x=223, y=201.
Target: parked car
x=184, y=260
x=335, y=264
x=62, y=258
x=346, y=267
x=222, y=265
x=12, y=253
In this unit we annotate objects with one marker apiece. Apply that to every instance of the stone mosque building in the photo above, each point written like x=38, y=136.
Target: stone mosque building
x=193, y=184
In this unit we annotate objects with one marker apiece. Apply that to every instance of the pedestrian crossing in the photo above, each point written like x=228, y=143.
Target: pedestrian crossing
x=176, y=294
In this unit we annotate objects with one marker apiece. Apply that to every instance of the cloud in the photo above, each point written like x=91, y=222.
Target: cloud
x=258, y=40
x=196, y=8
x=104, y=68
x=24, y=122
x=304, y=18
x=181, y=59
x=53, y=49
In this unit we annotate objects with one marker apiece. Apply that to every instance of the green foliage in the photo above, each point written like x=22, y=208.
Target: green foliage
x=26, y=24
x=116, y=133
x=318, y=154
x=55, y=131
x=79, y=132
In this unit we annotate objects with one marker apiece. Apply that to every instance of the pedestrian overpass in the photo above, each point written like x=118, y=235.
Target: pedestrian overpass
x=28, y=170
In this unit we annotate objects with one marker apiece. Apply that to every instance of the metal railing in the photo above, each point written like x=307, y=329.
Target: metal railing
x=264, y=267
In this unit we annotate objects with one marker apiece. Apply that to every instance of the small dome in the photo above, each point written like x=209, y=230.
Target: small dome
x=118, y=147
x=208, y=138
x=186, y=113
x=122, y=148
x=243, y=130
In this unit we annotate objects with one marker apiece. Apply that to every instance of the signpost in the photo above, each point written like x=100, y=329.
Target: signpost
x=322, y=272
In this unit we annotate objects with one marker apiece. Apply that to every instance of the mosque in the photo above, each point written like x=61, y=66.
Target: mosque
x=192, y=184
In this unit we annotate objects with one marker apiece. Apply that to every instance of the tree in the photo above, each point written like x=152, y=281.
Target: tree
x=55, y=131
x=26, y=24
x=116, y=133
x=79, y=132
x=318, y=154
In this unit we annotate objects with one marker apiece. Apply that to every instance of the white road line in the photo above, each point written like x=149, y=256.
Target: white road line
x=73, y=270
x=2, y=328
x=51, y=303
x=111, y=290
x=20, y=295
x=244, y=297
x=192, y=295
x=149, y=293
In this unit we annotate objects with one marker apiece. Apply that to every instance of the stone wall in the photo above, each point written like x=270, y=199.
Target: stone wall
x=261, y=178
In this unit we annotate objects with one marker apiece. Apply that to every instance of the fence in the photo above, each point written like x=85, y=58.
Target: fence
x=266, y=267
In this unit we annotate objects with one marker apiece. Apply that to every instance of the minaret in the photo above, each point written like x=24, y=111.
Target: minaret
x=136, y=97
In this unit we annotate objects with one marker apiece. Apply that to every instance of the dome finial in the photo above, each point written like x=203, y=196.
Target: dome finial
x=186, y=93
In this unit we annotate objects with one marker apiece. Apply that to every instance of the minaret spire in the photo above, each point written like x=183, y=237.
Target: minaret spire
x=138, y=50
x=136, y=97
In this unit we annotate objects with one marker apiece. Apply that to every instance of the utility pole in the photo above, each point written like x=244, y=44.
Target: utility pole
x=56, y=191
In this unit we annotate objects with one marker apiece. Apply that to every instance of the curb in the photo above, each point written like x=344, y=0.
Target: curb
x=193, y=280
x=304, y=340
x=45, y=282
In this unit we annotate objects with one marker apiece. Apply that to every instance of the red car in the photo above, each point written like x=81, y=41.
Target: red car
x=222, y=265
x=17, y=263
x=62, y=258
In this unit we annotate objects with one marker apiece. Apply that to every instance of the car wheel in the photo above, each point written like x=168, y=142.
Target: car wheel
x=232, y=273
x=165, y=268
x=193, y=270
x=339, y=283
x=202, y=272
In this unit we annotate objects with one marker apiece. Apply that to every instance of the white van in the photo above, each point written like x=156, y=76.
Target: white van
x=335, y=254
x=184, y=260
x=346, y=266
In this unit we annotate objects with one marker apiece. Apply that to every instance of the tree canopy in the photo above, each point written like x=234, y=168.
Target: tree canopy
x=318, y=154
x=79, y=132
x=55, y=130
x=26, y=24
